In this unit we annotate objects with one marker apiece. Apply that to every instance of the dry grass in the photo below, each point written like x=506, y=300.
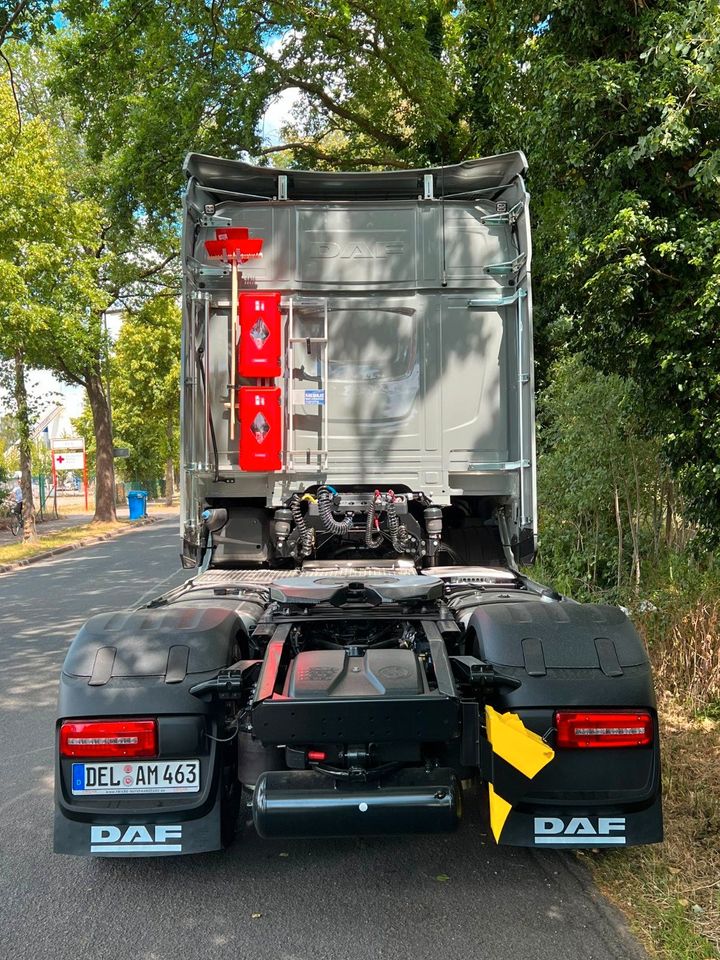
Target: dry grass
x=685, y=648
x=671, y=891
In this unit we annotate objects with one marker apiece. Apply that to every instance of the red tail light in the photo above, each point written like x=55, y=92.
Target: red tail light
x=316, y=756
x=603, y=728
x=108, y=738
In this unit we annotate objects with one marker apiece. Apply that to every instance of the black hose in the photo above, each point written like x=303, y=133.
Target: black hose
x=307, y=538
x=325, y=500
x=372, y=539
x=398, y=531
x=371, y=773
x=213, y=439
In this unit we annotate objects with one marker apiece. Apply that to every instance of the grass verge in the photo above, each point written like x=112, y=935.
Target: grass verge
x=671, y=891
x=13, y=552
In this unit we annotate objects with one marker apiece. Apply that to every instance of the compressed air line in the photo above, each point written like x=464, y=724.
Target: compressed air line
x=372, y=539
x=325, y=500
x=306, y=541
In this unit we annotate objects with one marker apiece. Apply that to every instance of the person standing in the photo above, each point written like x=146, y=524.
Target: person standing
x=18, y=497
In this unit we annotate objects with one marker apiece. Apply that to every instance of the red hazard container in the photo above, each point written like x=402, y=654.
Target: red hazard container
x=260, y=429
x=260, y=335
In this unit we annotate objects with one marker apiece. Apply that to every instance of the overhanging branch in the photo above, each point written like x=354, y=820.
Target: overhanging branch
x=320, y=154
x=11, y=77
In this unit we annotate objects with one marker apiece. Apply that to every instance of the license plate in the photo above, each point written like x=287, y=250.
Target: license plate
x=146, y=776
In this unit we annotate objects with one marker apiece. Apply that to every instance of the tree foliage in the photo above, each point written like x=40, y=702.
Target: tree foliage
x=617, y=107
x=154, y=81
x=618, y=110
x=83, y=259
x=607, y=499
x=146, y=389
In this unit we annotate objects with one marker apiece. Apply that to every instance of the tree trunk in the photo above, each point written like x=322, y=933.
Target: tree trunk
x=22, y=416
x=670, y=513
x=169, y=464
x=104, y=463
x=634, y=536
x=618, y=524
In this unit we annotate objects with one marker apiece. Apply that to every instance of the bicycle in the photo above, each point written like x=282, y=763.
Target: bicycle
x=16, y=521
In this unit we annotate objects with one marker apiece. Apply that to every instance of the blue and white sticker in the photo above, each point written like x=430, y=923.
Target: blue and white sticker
x=315, y=398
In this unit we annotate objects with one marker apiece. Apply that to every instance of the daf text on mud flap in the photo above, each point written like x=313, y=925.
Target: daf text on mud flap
x=609, y=830
x=136, y=839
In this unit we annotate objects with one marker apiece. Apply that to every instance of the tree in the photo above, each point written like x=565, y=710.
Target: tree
x=47, y=286
x=375, y=86
x=23, y=19
x=604, y=486
x=618, y=109
x=105, y=264
x=146, y=389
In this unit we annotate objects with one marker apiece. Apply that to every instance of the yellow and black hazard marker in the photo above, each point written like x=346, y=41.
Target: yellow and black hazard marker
x=518, y=756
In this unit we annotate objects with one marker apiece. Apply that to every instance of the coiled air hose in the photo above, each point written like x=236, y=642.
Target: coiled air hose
x=306, y=540
x=398, y=532
x=325, y=501
x=372, y=539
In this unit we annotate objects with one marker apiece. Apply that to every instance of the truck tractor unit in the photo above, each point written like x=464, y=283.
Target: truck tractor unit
x=359, y=643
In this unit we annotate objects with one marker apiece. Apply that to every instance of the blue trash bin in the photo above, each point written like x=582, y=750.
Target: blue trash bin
x=137, y=504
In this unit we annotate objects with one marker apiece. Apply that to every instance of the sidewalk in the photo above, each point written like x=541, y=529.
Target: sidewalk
x=77, y=518
x=49, y=526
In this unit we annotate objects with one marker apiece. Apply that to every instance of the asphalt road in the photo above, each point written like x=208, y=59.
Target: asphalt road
x=409, y=899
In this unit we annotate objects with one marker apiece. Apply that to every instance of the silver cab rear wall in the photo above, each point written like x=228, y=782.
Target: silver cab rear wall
x=405, y=348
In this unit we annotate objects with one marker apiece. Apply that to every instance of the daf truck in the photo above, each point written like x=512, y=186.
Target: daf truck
x=358, y=643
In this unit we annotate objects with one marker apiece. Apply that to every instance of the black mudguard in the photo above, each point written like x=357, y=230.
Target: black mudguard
x=559, y=655
x=143, y=664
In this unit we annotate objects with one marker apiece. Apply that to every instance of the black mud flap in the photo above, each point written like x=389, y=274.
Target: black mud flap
x=568, y=828
x=156, y=835
x=567, y=799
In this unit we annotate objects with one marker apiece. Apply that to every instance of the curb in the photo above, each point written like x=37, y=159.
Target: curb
x=87, y=542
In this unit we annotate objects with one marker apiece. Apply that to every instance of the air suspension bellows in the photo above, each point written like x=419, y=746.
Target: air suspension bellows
x=325, y=509
x=433, y=526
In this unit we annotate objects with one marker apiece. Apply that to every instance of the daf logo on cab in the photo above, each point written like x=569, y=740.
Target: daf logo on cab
x=605, y=830
x=136, y=839
x=355, y=249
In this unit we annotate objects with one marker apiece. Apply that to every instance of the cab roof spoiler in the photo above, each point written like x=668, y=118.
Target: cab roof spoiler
x=458, y=181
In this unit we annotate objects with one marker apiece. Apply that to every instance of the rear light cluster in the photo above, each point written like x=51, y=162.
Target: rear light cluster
x=108, y=738
x=603, y=728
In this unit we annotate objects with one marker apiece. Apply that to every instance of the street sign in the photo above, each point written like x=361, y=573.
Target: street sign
x=68, y=453
x=72, y=460
x=121, y=452
x=68, y=443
